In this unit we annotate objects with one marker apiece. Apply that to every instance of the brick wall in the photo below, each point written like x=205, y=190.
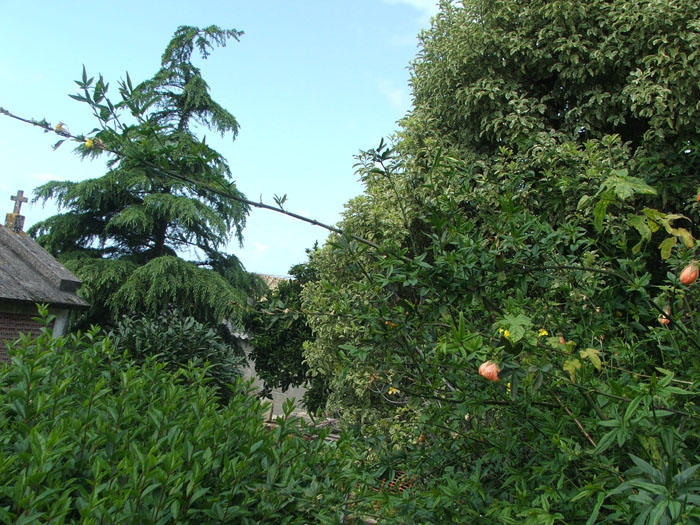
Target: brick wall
x=10, y=327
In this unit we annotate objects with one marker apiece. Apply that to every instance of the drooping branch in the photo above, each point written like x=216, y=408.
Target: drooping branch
x=43, y=124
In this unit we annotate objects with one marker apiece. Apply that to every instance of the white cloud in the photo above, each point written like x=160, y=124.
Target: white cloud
x=428, y=8
x=398, y=97
x=259, y=247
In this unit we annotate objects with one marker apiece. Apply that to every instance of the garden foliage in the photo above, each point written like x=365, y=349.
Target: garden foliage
x=88, y=435
x=179, y=341
x=521, y=344
x=536, y=210
x=278, y=330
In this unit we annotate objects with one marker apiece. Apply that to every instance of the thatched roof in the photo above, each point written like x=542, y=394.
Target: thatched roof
x=29, y=274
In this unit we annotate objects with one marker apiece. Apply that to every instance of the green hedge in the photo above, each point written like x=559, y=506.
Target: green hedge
x=88, y=435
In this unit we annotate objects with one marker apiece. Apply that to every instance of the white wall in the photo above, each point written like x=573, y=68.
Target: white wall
x=278, y=396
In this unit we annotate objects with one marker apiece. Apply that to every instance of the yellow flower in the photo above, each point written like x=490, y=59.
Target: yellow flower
x=506, y=334
x=500, y=330
x=59, y=128
x=393, y=390
x=88, y=143
x=543, y=332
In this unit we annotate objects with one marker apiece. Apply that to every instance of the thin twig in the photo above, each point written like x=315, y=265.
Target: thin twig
x=43, y=125
x=578, y=423
x=690, y=383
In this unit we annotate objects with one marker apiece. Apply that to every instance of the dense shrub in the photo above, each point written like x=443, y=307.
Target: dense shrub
x=87, y=434
x=537, y=212
x=177, y=341
x=278, y=331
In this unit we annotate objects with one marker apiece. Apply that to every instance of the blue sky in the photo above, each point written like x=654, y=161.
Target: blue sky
x=310, y=82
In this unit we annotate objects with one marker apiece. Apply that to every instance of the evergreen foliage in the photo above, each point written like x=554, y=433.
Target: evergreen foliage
x=180, y=342
x=536, y=212
x=121, y=233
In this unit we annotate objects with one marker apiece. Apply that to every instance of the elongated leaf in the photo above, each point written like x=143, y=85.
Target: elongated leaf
x=596, y=509
x=666, y=246
x=604, y=444
x=658, y=512
x=631, y=409
x=654, y=488
x=684, y=476
x=599, y=213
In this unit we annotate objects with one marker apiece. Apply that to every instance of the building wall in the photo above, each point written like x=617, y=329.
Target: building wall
x=278, y=396
x=11, y=325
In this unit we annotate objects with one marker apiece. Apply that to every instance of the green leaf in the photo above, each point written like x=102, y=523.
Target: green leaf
x=517, y=326
x=626, y=186
x=631, y=409
x=644, y=466
x=571, y=365
x=256, y=446
x=599, y=213
x=658, y=512
x=593, y=355
x=605, y=442
x=653, y=488
x=596, y=509
x=666, y=246
x=639, y=223
x=683, y=477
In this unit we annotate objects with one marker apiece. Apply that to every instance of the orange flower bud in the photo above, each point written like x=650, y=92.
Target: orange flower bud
x=489, y=370
x=664, y=318
x=689, y=273
x=698, y=197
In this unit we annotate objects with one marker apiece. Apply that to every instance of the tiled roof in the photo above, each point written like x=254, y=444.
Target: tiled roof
x=272, y=280
x=29, y=274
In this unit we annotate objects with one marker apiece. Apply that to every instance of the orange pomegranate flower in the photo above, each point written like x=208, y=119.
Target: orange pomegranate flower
x=689, y=273
x=489, y=370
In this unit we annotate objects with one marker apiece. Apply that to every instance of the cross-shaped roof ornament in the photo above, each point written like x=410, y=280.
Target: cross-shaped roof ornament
x=14, y=221
x=19, y=199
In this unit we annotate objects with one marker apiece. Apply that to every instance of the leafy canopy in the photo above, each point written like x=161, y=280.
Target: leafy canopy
x=278, y=331
x=536, y=211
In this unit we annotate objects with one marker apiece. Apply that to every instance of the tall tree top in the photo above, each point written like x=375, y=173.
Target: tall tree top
x=178, y=90
x=123, y=233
